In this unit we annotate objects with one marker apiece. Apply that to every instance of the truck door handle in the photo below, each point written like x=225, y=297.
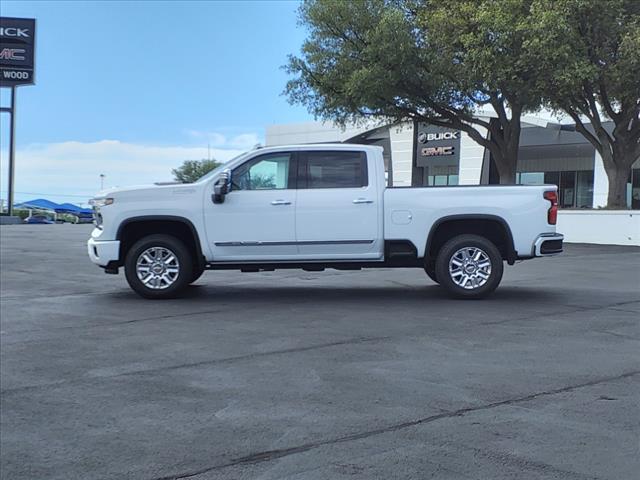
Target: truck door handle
x=280, y=202
x=362, y=200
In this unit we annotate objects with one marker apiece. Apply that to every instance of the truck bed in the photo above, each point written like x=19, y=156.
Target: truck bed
x=409, y=209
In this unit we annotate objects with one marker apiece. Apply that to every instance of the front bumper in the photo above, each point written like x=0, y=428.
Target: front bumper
x=103, y=252
x=548, y=244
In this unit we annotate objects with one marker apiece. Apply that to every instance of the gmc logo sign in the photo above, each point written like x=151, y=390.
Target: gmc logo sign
x=437, y=151
x=12, y=54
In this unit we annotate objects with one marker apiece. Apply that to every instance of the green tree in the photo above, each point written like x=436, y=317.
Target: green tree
x=261, y=182
x=591, y=49
x=192, y=170
x=436, y=61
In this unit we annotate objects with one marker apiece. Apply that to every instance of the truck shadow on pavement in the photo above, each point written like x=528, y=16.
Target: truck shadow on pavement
x=387, y=295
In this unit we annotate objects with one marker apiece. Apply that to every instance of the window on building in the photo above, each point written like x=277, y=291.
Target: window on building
x=442, y=180
x=633, y=190
x=439, y=180
x=567, y=190
x=552, y=178
x=575, y=188
x=584, y=189
x=530, y=178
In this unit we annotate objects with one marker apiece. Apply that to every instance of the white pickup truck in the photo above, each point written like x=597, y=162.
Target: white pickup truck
x=315, y=207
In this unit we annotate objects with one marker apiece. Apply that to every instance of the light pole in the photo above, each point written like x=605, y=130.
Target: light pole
x=102, y=175
x=12, y=146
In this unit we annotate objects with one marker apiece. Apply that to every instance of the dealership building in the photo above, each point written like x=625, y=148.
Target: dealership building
x=418, y=154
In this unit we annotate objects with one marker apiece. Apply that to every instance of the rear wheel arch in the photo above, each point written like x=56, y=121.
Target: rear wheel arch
x=492, y=227
x=133, y=229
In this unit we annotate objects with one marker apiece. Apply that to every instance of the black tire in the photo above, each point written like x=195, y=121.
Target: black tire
x=175, y=247
x=430, y=270
x=490, y=277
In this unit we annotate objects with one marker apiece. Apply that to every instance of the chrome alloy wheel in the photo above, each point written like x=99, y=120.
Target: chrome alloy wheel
x=470, y=268
x=157, y=268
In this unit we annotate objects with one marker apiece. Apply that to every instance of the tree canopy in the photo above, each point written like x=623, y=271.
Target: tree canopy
x=192, y=170
x=592, y=57
x=435, y=61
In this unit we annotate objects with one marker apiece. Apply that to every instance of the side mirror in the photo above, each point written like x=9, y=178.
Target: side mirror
x=221, y=187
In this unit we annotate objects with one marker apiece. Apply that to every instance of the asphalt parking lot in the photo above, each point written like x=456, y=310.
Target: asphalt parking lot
x=297, y=375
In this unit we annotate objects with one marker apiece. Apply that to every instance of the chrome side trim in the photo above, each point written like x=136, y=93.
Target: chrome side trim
x=271, y=244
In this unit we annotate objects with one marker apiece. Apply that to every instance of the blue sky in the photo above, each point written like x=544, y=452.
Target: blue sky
x=130, y=89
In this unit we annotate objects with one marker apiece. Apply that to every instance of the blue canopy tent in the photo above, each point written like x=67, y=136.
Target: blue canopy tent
x=74, y=210
x=44, y=204
x=39, y=203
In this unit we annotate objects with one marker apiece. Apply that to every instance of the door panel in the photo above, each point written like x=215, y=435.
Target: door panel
x=337, y=211
x=257, y=219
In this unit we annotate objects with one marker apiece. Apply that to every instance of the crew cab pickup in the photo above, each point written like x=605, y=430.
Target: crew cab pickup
x=315, y=207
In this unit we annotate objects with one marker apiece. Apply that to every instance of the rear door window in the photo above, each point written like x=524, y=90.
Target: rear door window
x=333, y=169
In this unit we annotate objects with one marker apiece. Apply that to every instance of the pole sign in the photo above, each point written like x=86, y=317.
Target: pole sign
x=437, y=146
x=17, y=48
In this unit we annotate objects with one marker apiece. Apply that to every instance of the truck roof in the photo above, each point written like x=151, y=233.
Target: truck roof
x=322, y=146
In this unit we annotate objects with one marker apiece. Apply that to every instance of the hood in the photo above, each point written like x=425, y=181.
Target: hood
x=159, y=188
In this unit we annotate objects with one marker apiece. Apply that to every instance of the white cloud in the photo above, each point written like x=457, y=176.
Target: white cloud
x=70, y=171
x=216, y=139
x=244, y=141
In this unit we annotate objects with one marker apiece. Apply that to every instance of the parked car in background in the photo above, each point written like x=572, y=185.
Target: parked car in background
x=83, y=219
x=39, y=219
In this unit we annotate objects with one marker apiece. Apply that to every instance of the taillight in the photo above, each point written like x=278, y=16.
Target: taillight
x=552, y=214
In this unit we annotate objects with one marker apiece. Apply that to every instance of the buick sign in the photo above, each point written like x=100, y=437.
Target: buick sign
x=17, y=46
x=424, y=137
x=437, y=146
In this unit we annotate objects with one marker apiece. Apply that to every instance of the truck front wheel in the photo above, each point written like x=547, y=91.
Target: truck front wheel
x=469, y=266
x=158, y=266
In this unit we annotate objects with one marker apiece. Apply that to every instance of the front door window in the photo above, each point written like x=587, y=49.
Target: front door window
x=267, y=172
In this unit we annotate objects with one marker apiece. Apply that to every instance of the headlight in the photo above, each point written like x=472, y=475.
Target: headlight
x=97, y=204
x=100, y=202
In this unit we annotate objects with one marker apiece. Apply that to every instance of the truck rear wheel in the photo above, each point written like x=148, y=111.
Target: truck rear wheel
x=158, y=266
x=469, y=266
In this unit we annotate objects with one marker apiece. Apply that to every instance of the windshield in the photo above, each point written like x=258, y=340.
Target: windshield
x=221, y=167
